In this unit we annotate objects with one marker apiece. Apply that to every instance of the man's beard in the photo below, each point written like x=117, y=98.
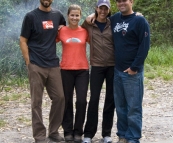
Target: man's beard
x=46, y=5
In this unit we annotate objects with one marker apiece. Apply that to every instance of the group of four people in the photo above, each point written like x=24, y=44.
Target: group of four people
x=118, y=47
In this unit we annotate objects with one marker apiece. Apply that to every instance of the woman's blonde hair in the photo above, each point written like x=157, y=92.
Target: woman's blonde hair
x=74, y=7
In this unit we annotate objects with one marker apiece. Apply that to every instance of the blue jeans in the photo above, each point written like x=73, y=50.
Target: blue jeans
x=128, y=96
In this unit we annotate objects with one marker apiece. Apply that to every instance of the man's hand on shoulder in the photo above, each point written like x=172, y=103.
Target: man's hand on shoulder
x=60, y=26
x=91, y=19
x=139, y=14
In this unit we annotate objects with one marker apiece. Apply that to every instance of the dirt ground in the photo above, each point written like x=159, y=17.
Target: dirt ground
x=15, y=115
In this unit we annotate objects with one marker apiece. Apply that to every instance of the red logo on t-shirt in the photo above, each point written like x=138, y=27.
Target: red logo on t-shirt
x=47, y=24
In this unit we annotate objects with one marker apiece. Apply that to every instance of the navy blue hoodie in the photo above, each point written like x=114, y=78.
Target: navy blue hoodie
x=131, y=36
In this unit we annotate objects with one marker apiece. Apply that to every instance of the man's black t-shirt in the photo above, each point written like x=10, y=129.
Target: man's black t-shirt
x=40, y=28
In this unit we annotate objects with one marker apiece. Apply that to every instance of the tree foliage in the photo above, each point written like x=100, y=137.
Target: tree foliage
x=159, y=14
x=12, y=13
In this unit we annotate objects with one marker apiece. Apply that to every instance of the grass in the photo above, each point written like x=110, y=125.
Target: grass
x=2, y=123
x=154, y=96
x=13, y=81
x=15, y=97
x=150, y=87
x=1, y=111
x=163, y=72
x=160, y=56
x=159, y=63
x=5, y=98
x=2, y=102
x=24, y=120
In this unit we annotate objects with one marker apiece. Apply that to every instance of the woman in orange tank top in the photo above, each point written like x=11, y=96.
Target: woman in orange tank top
x=75, y=73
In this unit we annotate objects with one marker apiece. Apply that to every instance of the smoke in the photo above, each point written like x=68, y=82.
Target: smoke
x=11, y=18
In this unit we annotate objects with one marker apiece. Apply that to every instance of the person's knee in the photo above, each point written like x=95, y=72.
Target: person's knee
x=61, y=98
x=58, y=98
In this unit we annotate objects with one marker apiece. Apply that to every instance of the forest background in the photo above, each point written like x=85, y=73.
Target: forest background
x=159, y=14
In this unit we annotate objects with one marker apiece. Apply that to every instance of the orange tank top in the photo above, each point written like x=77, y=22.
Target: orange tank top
x=73, y=48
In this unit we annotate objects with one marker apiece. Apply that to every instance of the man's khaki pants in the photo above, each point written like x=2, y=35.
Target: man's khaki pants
x=51, y=79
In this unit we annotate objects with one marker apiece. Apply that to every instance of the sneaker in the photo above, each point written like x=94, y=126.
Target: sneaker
x=56, y=139
x=86, y=140
x=68, y=138
x=122, y=140
x=77, y=139
x=107, y=139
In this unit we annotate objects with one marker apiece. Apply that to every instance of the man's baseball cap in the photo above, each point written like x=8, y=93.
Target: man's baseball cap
x=104, y=2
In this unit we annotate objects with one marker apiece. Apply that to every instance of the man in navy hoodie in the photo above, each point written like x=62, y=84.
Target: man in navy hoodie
x=131, y=37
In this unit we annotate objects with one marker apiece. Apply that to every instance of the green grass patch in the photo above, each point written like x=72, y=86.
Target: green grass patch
x=2, y=102
x=24, y=120
x=162, y=72
x=1, y=111
x=24, y=98
x=160, y=56
x=159, y=63
x=15, y=97
x=154, y=96
x=7, y=89
x=150, y=87
x=2, y=123
x=6, y=98
x=15, y=81
x=150, y=75
x=7, y=82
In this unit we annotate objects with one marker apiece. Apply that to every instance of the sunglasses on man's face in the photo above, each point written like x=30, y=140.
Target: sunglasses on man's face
x=120, y=1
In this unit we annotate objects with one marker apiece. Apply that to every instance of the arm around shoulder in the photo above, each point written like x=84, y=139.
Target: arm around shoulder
x=91, y=18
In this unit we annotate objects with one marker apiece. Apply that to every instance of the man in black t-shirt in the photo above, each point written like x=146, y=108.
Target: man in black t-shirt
x=38, y=46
